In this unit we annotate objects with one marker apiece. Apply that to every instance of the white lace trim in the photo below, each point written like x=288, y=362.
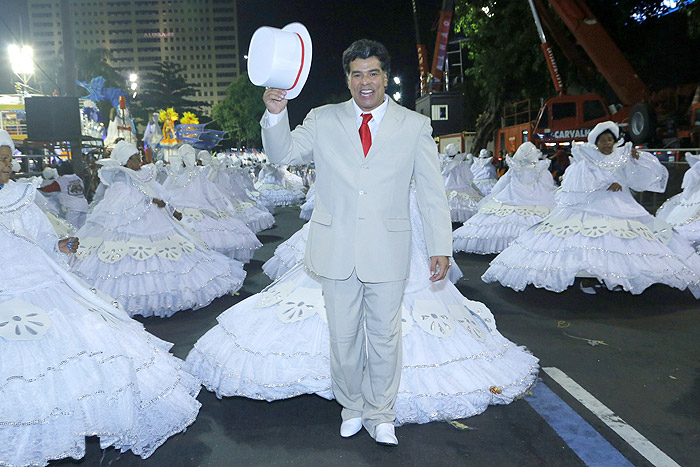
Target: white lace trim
x=139, y=248
x=501, y=210
x=658, y=230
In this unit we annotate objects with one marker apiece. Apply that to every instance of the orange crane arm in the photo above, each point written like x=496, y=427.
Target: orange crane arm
x=602, y=50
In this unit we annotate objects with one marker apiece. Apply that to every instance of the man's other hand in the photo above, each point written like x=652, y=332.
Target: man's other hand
x=438, y=267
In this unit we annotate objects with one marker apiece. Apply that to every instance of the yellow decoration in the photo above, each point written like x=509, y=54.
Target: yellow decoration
x=495, y=390
x=168, y=117
x=188, y=117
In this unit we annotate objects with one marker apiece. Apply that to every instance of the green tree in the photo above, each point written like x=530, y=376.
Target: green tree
x=165, y=87
x=240, y=112
x=506, y=63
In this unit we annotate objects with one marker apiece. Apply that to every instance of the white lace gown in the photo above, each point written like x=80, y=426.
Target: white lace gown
x=485, y=176
x=682, y=211
x=273, y=184
x=139, y=254
x=73, y=365
x=462, y=196
x=274, y=345
x=241, y=177
x=520, y=199
x=255, y=216
x=597, y=232
x=209, y=213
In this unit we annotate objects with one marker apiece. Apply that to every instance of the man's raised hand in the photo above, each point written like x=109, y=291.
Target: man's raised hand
x=274, y=100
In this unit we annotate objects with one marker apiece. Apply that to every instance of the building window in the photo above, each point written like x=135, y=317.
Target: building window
x=439, y=112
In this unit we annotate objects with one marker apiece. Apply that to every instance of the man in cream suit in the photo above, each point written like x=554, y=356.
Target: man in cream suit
x=360, y=232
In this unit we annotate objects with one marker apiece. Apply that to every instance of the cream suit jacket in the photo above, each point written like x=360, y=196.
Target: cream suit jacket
x=361, y=215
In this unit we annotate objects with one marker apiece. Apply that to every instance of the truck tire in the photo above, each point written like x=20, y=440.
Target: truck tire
x=642, y=123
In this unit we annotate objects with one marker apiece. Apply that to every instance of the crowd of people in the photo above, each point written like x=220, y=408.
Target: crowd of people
x=174, y=235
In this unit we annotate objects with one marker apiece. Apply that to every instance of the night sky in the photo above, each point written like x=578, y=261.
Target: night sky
x=332, y=24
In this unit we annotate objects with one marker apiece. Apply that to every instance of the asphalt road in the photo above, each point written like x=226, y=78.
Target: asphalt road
x=636, y=355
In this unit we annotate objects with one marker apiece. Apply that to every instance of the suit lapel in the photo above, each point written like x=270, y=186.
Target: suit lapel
x=387, y=129
x=346, y=115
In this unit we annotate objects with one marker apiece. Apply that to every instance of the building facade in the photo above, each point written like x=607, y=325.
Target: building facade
x=200, y=35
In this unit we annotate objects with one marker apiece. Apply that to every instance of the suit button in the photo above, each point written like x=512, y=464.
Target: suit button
x=362, y=192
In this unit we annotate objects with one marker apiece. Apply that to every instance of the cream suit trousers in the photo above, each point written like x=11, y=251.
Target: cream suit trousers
x=364, y=324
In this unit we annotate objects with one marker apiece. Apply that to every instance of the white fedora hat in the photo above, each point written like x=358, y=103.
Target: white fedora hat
x=280, y=58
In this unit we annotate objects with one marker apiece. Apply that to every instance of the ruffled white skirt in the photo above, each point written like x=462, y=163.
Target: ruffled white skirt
x=279, y=195
x=223, y=233
x=154, y=275
x=495, y=227
x=91, y=374
x=619, y=252
x=274, y=345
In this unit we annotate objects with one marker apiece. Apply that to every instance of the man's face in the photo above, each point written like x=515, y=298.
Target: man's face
x=5, y=164
x=367, y=82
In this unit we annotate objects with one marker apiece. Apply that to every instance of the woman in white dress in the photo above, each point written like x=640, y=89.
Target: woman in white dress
x=205, y=209
x=520, y=199
x=273, y=183
x=599, y=231
x=133, y=249
x=462, y=196
x=73, y=365
x=485, y=176
x=682, y=211
x=256, y=217
x=274, y=345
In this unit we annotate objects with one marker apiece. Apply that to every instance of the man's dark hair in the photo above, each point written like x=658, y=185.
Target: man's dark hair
x=65, y=168
x=364, y=49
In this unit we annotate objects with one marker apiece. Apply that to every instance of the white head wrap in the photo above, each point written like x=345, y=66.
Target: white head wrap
x=175, y=159
x=16, y=165
x=527, y=152
x=600, y=128
x=6, y=140
x=451, y=149
x=692, y=159
x=205, y=157
x=49, y=173
x=123, y=151
x=186, y=152
x=483, y=154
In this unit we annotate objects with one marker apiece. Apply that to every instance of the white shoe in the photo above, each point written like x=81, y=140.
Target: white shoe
x=350, y=427
x=384, y=435
x=587, y=290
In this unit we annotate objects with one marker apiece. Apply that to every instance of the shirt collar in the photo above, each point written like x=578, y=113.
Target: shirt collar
x=377, y=114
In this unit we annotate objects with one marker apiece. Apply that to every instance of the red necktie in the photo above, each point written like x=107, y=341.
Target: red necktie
x=365, y=135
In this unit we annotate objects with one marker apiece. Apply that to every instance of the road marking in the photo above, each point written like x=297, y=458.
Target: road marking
x=581, y=437
x=635, y=439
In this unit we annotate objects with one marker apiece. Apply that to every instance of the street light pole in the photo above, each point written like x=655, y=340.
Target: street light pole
x=21, y=60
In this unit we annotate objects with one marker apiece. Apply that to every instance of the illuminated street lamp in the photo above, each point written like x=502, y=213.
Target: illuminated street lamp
x=397, y=94
x=22, y=62
x=133, y=83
